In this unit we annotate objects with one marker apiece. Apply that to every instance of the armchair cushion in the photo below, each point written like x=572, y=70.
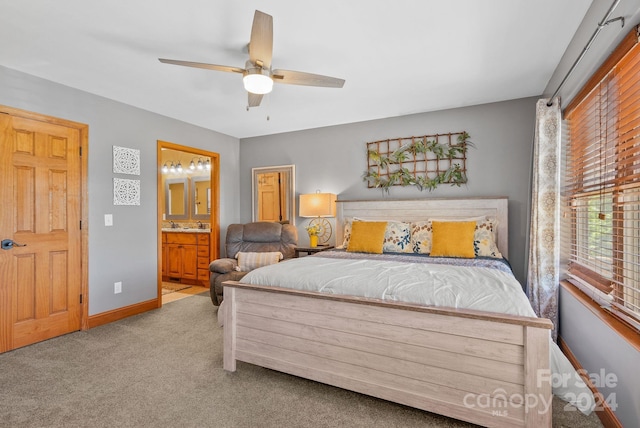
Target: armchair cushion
x=250, y=261
x=223, y=265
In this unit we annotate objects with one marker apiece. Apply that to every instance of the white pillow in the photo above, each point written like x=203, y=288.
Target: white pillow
x=250, y=261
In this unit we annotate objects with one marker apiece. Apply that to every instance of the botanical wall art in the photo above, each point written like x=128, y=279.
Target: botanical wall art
x=424, y=162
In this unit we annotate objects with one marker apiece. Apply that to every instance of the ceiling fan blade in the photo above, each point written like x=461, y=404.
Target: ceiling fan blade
x=254, y=99
x=261, y=43
x=308, y=79
x=203, y=65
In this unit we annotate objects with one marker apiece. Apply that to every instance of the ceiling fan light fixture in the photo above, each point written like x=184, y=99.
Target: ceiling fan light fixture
x=257, y=81
x=258, y=74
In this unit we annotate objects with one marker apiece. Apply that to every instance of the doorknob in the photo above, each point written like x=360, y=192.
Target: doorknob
x=8, y=244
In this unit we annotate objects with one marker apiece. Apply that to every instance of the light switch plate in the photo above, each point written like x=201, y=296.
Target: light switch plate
x=108, y=219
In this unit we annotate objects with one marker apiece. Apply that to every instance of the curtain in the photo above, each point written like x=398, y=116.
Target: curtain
x=544, y=236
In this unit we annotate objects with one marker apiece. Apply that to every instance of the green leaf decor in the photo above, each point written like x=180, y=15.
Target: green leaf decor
x=424, y=162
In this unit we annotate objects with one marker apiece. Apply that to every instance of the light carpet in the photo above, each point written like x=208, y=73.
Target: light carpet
x=163, y=368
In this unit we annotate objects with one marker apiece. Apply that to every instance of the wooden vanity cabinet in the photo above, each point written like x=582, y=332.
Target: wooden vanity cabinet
x=164, y=256
x=186, y=257
x=204, y=256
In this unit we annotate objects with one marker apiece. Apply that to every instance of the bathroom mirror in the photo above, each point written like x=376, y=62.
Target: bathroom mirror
x=176, y=197
x=200, y=198
x=273, y=190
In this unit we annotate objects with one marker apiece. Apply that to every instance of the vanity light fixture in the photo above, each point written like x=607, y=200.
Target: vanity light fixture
x=195, y=164
x=170, y=167
x=200, y=165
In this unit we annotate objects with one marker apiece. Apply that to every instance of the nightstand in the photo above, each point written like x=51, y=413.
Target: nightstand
x=311, y=250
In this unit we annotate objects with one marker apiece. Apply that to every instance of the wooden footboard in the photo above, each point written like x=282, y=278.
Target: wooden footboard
x=489, y=369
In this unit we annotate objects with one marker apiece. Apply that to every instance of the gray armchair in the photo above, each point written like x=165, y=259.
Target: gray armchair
x=250, y=237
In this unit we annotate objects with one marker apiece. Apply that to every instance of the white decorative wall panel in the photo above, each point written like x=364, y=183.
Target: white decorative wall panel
x=126, y=161
x=126, y=192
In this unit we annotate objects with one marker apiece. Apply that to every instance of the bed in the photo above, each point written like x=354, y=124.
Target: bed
x=489, y=368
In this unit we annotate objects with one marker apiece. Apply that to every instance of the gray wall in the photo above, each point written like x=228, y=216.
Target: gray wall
x=595, y=345
x=333, y=159
x=608, y=38
x=127, y=251
x=601, y=350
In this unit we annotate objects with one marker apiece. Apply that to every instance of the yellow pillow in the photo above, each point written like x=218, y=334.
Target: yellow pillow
x=367, y=236
x=453, y=238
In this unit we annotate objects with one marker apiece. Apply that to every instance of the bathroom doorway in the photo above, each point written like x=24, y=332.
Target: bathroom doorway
x=188, y=214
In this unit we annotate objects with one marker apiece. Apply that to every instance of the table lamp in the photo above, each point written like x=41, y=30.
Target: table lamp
x=318, y=206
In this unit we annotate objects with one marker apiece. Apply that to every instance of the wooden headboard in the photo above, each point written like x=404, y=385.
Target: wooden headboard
x=409, y=210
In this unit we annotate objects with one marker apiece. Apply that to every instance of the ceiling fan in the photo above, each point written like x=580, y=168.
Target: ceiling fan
x=258, y=77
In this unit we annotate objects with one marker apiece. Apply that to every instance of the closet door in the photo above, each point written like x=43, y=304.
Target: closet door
x=40, y=259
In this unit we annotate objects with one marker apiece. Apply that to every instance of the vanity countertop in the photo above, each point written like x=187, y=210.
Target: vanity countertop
x=183, y=230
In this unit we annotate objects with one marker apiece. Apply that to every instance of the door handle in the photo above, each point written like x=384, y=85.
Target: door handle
x=8, y=244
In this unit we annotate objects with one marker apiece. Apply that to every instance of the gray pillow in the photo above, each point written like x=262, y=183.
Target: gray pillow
x=223, y=265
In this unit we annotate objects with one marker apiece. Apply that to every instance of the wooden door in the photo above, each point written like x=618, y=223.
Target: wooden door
x=269, y=197
x=41, y=200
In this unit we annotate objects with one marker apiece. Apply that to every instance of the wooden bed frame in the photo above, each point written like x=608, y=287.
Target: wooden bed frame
x=486, y=368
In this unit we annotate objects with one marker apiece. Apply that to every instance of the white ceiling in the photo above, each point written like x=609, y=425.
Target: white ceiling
x=397, y=57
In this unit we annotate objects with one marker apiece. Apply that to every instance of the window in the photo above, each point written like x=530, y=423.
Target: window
x=602, y=183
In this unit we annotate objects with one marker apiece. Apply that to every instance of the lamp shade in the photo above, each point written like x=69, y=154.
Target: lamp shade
x=318, y=205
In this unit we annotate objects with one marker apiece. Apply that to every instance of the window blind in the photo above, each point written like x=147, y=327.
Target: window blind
x=602, y=182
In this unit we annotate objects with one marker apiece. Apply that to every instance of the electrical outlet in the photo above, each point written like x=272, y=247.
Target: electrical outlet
x=117, y=287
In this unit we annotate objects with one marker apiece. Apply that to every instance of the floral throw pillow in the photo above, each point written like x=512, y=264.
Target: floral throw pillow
x=347, y=233
x=421, y=236
x=484, y=239
x=397, y=236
